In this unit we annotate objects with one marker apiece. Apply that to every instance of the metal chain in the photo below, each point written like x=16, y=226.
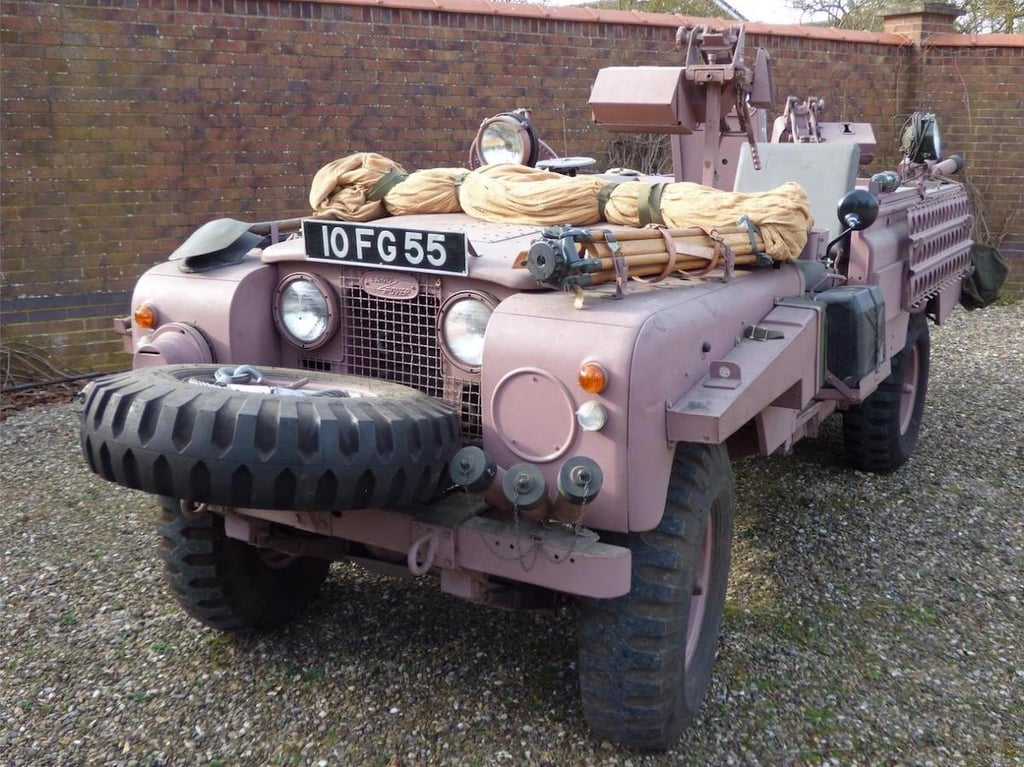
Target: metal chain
x=528, y=558
x=578, y=522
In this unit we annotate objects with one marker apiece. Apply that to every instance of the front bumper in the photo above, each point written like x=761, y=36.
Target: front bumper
x=457, y=538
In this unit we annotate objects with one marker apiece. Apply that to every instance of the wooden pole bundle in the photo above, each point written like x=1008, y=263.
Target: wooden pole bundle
x=572, y=258
x=645, y=252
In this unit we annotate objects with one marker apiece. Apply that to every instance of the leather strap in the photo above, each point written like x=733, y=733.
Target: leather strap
x=670, y=262
x=619, y=262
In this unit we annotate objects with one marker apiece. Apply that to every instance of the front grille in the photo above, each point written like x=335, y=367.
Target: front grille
x=470, y=410
x=393, y=340
x=396, y=340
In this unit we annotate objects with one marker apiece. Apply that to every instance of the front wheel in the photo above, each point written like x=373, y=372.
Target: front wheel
x=880, y=434
x=645, y=658
x=227, y=584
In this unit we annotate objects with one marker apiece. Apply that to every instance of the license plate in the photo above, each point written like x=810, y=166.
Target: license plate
x=385, y=247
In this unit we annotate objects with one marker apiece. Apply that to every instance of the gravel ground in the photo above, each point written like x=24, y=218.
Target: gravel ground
x=871, y=620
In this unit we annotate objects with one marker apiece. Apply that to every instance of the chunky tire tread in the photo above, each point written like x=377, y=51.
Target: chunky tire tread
x=635, y=686
x=153, y=429
x=872, y=436
x=223, y=583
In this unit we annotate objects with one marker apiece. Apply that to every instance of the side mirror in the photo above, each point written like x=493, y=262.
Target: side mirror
x=858, y=210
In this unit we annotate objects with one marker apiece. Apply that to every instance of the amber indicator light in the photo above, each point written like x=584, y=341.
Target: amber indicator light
x=593, y=378
x=145, y=316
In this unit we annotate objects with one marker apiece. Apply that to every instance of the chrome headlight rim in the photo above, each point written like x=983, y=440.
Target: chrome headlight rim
x=516, y=129
x=331, y=318
x=446, y=313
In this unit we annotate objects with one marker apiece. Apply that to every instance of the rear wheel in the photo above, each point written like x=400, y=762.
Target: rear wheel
x=227, y=584
x=646, y=657
x=880, y=434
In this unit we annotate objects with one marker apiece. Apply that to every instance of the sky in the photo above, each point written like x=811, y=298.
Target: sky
x=772, y=11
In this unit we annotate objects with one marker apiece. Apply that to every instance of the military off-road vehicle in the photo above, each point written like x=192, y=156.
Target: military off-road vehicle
x=532, y=389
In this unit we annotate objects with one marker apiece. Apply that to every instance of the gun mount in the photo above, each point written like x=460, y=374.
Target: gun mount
x=714, y=95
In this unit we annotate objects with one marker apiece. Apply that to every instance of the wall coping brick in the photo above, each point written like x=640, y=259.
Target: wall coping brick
x=954, y=40
x=579, y=13
x=926, y=7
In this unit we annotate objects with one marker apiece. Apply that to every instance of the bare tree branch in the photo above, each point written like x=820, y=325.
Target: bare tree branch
x=980, y=16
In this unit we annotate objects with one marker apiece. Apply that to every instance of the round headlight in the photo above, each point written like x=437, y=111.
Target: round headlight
x=462, y=329
x=305, y=311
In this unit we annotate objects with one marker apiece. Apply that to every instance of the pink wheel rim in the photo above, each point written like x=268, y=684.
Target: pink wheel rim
x=908, y=389
x=699, y=596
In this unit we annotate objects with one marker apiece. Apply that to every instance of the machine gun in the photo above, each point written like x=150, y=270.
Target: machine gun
x=711, y=102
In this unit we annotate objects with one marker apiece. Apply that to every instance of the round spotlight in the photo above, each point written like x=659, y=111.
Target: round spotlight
x=506, y=138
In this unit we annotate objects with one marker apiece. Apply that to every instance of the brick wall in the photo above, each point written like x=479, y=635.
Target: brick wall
x=975, y=83
x=127, y=123
x=978, y=89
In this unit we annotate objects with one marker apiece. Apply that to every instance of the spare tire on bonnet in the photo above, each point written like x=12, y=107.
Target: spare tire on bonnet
x=285, y=439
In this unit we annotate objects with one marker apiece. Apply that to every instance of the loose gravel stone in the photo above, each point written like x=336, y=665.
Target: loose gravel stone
x=871, y=619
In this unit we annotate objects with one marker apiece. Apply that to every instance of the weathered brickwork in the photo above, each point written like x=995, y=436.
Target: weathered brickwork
x=127, y=123
x=979, y=91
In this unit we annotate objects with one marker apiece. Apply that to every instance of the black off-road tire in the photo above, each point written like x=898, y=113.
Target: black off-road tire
x=167, y=432
x=880, y=434
x=645, y=658
x=227, y=584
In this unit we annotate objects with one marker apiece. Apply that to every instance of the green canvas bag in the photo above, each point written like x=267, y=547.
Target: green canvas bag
x=983, y=286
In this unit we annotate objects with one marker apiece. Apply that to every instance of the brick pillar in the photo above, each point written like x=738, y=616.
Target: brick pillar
x=920, y=20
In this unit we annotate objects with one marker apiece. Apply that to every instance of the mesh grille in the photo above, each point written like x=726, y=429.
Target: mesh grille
x=466, y=396
x=397, y=341
x=393, y=340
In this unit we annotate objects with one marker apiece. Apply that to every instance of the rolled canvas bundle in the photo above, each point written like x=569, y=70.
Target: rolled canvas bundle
x=365, y=186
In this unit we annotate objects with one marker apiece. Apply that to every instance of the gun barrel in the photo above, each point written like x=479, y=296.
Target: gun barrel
x=948, y=166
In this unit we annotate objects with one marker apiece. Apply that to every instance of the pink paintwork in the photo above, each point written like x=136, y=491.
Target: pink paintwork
x=738, y=361
x=457, y=536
